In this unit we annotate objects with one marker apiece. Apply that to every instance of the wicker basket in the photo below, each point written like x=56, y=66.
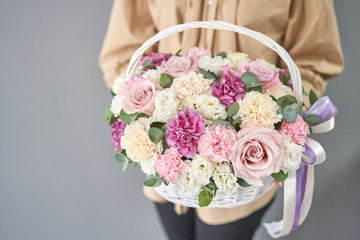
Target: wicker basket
x=173, y=192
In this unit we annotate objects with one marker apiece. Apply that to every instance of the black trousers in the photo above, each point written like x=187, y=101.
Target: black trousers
x=190, y=227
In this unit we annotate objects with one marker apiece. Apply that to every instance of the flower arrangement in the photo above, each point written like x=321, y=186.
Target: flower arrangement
x=209, y=123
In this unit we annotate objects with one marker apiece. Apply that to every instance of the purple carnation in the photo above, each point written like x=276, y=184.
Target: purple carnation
x=156, y=58
x=184, y=131
x=117, y=130
x=230, y=89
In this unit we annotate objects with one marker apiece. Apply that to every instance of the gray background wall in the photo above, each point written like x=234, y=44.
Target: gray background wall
x=58, y=176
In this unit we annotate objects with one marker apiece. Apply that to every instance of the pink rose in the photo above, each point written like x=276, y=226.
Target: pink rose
x=297, y=130
x=257, y=153
x=265, y=74
x=140, y=96
x=170, y=165
x=217, y=142
x=197, y=52
x=177, y=66
x=279, y=90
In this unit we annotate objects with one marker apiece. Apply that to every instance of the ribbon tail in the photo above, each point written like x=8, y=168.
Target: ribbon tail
x=324, y=127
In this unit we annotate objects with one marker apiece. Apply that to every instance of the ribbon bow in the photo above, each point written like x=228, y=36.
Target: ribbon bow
x=299, y=186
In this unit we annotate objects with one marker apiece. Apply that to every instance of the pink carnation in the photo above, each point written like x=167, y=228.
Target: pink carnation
x=117, y=130
x=257, y=153
x=170, y=165
x=156, y=58
x=216, y=142
x=197, y=52
x=265, y=74
x=297, y=130
x=184, y=131
x=230, y=89
x=177, y=66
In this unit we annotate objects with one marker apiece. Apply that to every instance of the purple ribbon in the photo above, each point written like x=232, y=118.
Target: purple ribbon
x=324, y=108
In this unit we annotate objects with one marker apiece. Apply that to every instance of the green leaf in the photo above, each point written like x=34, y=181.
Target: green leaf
x=178, y=53
x=286, y=100
x=150, y=182
x=312, y=97
x=289, y=114
x=242, y=182
x=127, y=118
x=222, y=54
x=250, y=80
x=255, y=89
x=156, y=134
x=234, y=122
x=278, y=125
x=211, y=186
x=280, y=176
x=209, y=75
x=205, y=198
x=273, y=98
x=112, y=93
x=166, y=80
x=312, y=119
x=125, y=165
x=149, y=65
x=222, y=122
x=107, y=113
x=233, y=109
x=165, y=146
x=112, y=119
x=121, y=156
x=157, y=124
x=285, y=79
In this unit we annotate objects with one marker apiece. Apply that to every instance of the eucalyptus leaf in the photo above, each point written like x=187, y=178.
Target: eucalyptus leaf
x=250, y=80
x=312, y=119
x=209, y=75
x=165, y=146
x=289, y=114
x=127, y=118
x=125, y=165
x=157, y=124
x=149, y=64
x=286, y=100
x=205, y=198
x=222, y=122
x=255, y=89
x=312, y=97
x=242, y=182
x=112, y=119
x=107, y=113
x=121, y=156
x=166, y=80
x=156, y=134
x=222, y=54
x=233, y=109
x=236, y=120
x=150, y=182
x=280, y=176
x=285, y=79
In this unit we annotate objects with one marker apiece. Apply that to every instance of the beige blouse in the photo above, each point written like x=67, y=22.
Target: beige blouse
x=307, y=29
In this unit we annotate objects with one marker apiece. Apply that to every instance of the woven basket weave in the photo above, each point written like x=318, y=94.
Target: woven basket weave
x=173, y=192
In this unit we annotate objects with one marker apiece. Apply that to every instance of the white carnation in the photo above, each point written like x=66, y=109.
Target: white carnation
x=187, y=180
x=137, y=143
x=203, y=168
x=116, y=105
x=118, y=84
x=147, y=165
x=236, y=58
x=266, y=63
x=152, y=74
x=209, y=107
x=167, y=105
x=225, y=179
x=215, y=64
x=292, y=154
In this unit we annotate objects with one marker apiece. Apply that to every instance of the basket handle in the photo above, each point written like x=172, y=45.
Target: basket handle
x=283, y=54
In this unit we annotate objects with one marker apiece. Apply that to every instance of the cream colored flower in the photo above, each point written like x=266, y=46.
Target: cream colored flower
x=213, y=64
x=167, y=105
x=266, y=63
x=225, y=179
x=236, y=58
x=189, y=86
x=279, y=90
x=152, y=74
x=118, y=84
x=209, y=108
x=187, y=180
x=137, y=143
x=147, y=165
x=258, y=108
x=292, y=154
x=116, y=105
x=203, y=168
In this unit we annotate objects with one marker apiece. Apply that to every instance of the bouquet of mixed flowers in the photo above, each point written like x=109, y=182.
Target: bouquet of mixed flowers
x=209, y=123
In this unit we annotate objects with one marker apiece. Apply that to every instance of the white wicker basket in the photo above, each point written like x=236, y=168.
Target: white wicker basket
x=173, y=192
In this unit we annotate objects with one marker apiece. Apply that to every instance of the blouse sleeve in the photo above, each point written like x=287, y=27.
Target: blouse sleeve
x=130, y=25
x=312, y=40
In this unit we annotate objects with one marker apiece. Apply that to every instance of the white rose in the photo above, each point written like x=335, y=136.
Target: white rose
x=210, y=108
x=225, y=179
x=116, y=105
x=152, y=74
x=292, y=154
x=236, y=58
x=167, y=105
x=215, y=64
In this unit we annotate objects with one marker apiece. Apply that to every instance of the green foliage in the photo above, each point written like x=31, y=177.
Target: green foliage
x=209, y=75
x=280, y=176
x=112, y=93
x=290, y=113
x=312, y=119
x=166, y=80
x=242, y=182
x=286, y=100
x=222, y=54
x=178, y=53
x=233, y=109
x=156, y=134
x=129, y=118
x=312, y=97
x=149, y=65
x=107, y=113
x=205, y=198
x=285, y=79
x=122, y=157
x=153, y=180
x=222, y=122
